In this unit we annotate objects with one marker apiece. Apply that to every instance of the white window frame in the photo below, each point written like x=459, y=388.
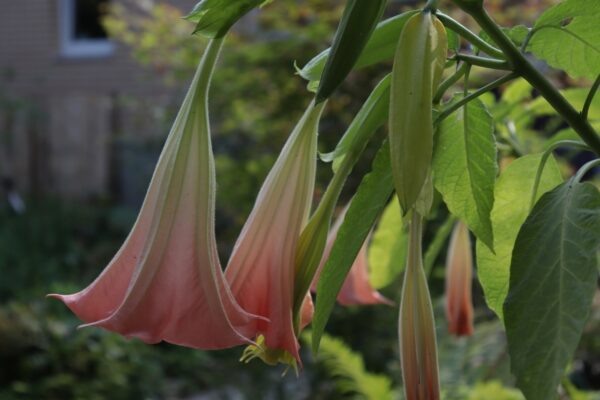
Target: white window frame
x=78, y=48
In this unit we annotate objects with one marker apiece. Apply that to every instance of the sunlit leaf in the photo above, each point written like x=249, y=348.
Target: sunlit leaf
x=511, y=206
x=566, y=37
x=464, y=167
x=387, y=252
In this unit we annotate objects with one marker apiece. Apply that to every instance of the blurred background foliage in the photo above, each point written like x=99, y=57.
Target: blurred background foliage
x=59, y=246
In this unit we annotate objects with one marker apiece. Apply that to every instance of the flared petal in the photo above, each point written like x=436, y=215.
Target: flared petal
x=262, y=265
x=166, y=282
x=357, y=289
x=459, y=277
x=418, y=347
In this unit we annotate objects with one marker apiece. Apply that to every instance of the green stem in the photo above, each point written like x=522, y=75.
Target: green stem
x=513, y=140
x=590, y=98
x=448, y=82
x=486, y=62
x=545, y=156
x=534, y=77
x=442, y=233
x=470, y=36
x=455, y=106
x=585, y=169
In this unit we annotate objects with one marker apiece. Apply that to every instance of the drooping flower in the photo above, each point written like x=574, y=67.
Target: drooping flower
x=166, y=283
x=261, y=268
x=416, y=326
x=356, y=289
x=459, y=276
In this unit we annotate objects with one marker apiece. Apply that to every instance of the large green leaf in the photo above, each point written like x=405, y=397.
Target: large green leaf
x=552, y=285
x=368, y=202
x=356, y=26
x=566, y=37
x=213, y=18
x=464, y=167
x=387, y=251
x=511, y=206
x=380, y=47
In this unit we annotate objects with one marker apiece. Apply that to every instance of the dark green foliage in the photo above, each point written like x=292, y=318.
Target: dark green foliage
x=358, y=22
x=553, y=278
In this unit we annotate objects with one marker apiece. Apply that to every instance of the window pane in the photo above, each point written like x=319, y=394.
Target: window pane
x=88, y=15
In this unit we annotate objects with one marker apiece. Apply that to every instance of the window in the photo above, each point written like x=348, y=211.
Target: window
x=81, y=30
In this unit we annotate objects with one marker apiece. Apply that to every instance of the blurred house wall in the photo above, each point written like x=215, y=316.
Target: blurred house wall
x=60, y=113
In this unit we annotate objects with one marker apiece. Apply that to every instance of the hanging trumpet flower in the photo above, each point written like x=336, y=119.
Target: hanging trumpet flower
x=459, y=275
x=166, y=282
x=416, y=326
x=261, y=270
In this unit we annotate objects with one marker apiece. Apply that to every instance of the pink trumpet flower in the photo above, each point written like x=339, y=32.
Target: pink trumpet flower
x=357, y=289
x=459, y=276
x=261, y=270
x=166, y=282
x=418, y=347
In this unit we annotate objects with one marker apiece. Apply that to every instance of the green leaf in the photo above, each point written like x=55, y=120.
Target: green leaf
x=380, y=47
x=566, y=9
x=573, y=48
x=368, y=202
x=369, y=118
x=213, y=18
x=453, y=41
x=566, y=37
x=552, y=284
x=511, y=206
x=387, y=251
x=517, y=34
x=358, y=22
x=464, y=167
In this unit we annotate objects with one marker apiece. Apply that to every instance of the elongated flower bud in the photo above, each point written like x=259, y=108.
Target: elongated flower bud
x=416, y=326
x=262, y=267
x=418, y=67
x=166, y=282
x=459, y=276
